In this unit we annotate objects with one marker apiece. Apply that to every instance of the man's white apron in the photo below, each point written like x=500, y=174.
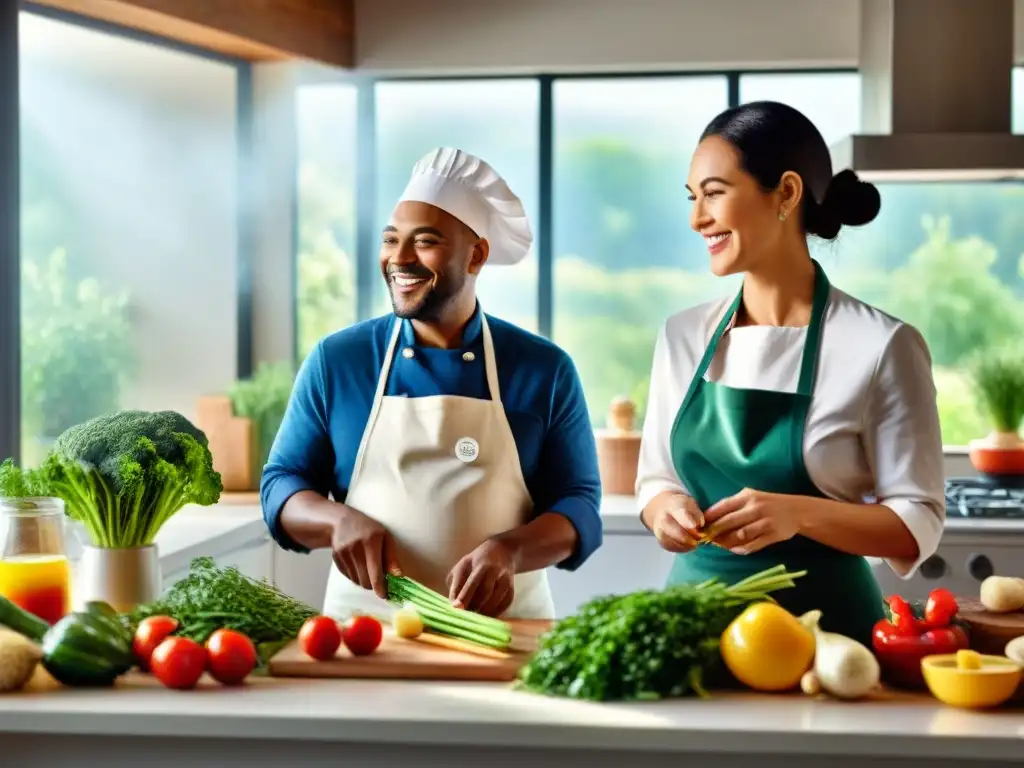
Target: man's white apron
x=442, y=474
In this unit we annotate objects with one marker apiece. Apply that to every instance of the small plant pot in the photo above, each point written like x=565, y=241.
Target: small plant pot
x=1001, y=453
x=124, y=578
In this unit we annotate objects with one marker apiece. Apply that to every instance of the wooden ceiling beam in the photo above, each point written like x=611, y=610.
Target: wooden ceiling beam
x=254, y=30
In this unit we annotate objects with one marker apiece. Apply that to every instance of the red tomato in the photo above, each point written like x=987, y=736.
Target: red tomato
x=320, y=637
x=178, y=662
x=149, y=634
x=362, y=635
x=231, y=656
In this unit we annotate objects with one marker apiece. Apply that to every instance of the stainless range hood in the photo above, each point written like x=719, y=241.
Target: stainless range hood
x=936, y=93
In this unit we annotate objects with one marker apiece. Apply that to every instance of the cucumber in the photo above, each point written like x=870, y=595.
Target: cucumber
x=22, y=622
x=86, y=648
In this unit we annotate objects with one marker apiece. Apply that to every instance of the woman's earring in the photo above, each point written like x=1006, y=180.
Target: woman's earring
x=782, y=215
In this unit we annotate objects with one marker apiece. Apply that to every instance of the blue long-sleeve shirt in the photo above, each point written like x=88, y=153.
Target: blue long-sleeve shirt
x=317, y=442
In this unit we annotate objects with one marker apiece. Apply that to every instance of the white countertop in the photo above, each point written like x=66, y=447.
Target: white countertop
x=197, y=531
x=491, y=714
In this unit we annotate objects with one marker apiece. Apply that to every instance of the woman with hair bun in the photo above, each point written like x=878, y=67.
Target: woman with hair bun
x=791, y=424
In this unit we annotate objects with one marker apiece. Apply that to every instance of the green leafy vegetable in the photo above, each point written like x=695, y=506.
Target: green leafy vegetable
x=210, y=598
x=999, y=377
x=439, y=615
x=123, y=475
x=644, y=645
x=19, y=483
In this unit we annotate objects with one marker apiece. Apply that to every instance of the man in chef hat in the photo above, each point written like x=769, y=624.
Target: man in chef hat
x=456, y=448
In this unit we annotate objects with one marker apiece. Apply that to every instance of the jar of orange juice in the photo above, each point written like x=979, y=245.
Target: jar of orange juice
x=34, y=569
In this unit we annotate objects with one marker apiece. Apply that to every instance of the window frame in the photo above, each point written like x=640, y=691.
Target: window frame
x=10, y=199
x=365, y=257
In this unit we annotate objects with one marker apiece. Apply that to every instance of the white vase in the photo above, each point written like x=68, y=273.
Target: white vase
x=124, y=578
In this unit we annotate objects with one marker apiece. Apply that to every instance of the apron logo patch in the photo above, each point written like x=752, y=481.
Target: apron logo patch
x=467, y=449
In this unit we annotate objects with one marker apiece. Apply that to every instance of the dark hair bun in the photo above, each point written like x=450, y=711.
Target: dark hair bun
x=848, y=200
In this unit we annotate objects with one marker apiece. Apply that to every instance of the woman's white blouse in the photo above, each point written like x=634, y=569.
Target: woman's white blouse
x=872, y=430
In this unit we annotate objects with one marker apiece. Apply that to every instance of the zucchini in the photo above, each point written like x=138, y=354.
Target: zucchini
x=86, y=648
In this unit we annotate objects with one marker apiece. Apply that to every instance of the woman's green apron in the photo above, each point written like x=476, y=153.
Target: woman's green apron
x=726, y=439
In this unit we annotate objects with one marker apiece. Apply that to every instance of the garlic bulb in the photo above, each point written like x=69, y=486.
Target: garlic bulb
x=844, y=668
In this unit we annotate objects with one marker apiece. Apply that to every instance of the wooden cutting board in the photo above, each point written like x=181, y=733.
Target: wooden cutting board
x=990, y=632
x=414, y=659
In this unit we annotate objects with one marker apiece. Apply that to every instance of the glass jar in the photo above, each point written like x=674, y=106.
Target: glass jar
x=34, y=570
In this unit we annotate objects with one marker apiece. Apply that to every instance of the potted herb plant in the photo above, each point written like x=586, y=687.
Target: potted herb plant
x=999, y=381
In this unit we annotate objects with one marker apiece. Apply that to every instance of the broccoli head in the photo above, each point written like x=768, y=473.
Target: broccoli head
x=123, y=475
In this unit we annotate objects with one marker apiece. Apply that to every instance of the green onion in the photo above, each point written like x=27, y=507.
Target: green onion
x=439, y=615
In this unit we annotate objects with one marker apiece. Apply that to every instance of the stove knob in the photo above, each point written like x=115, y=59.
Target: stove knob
x=934, y=568
x=980, y=567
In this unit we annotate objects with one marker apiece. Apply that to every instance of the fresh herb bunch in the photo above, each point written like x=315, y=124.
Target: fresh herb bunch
x=210, y=598
x=21, y=483
x=439, y=615
x=999, y=378
x=645, y=645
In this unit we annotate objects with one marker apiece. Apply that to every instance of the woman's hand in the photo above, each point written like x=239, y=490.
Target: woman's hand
x=751, y=520
x=674, y=519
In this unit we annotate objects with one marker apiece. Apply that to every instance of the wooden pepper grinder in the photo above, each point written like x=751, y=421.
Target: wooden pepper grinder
x=618, y=449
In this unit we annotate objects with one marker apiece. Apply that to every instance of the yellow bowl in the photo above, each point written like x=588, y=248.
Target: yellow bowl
x=988, y=686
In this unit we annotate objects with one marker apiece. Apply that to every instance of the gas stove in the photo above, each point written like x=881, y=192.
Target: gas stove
x=985, y=497
x=966, y=556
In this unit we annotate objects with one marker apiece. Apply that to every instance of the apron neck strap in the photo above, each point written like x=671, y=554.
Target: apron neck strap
x=809, y=363
x=809, y=360
x=490, y=366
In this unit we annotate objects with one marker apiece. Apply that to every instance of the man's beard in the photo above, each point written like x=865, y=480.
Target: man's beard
x=432, y=304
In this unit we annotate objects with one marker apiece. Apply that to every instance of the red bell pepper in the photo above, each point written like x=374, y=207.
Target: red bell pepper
x=903, y=620
x=941, y=608
x=901, y=643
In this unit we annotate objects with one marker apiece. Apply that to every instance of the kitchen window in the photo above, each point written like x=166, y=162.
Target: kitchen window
x=613, y=255
x=129, y=205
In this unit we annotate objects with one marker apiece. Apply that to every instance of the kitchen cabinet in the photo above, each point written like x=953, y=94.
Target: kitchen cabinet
x=626, y=562
x=301, y=576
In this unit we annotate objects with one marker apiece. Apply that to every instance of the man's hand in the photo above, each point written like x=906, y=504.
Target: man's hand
x=675, y=520
x=483, y=581
x=363, y=550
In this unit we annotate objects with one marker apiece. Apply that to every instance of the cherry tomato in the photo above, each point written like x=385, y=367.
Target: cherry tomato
x=362, y=635
x=231, y=656
x=149, y=634
x=940, y=608
x=320, y=637
x=178, y=662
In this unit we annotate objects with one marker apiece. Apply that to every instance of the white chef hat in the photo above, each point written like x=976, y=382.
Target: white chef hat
x=473, y=192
